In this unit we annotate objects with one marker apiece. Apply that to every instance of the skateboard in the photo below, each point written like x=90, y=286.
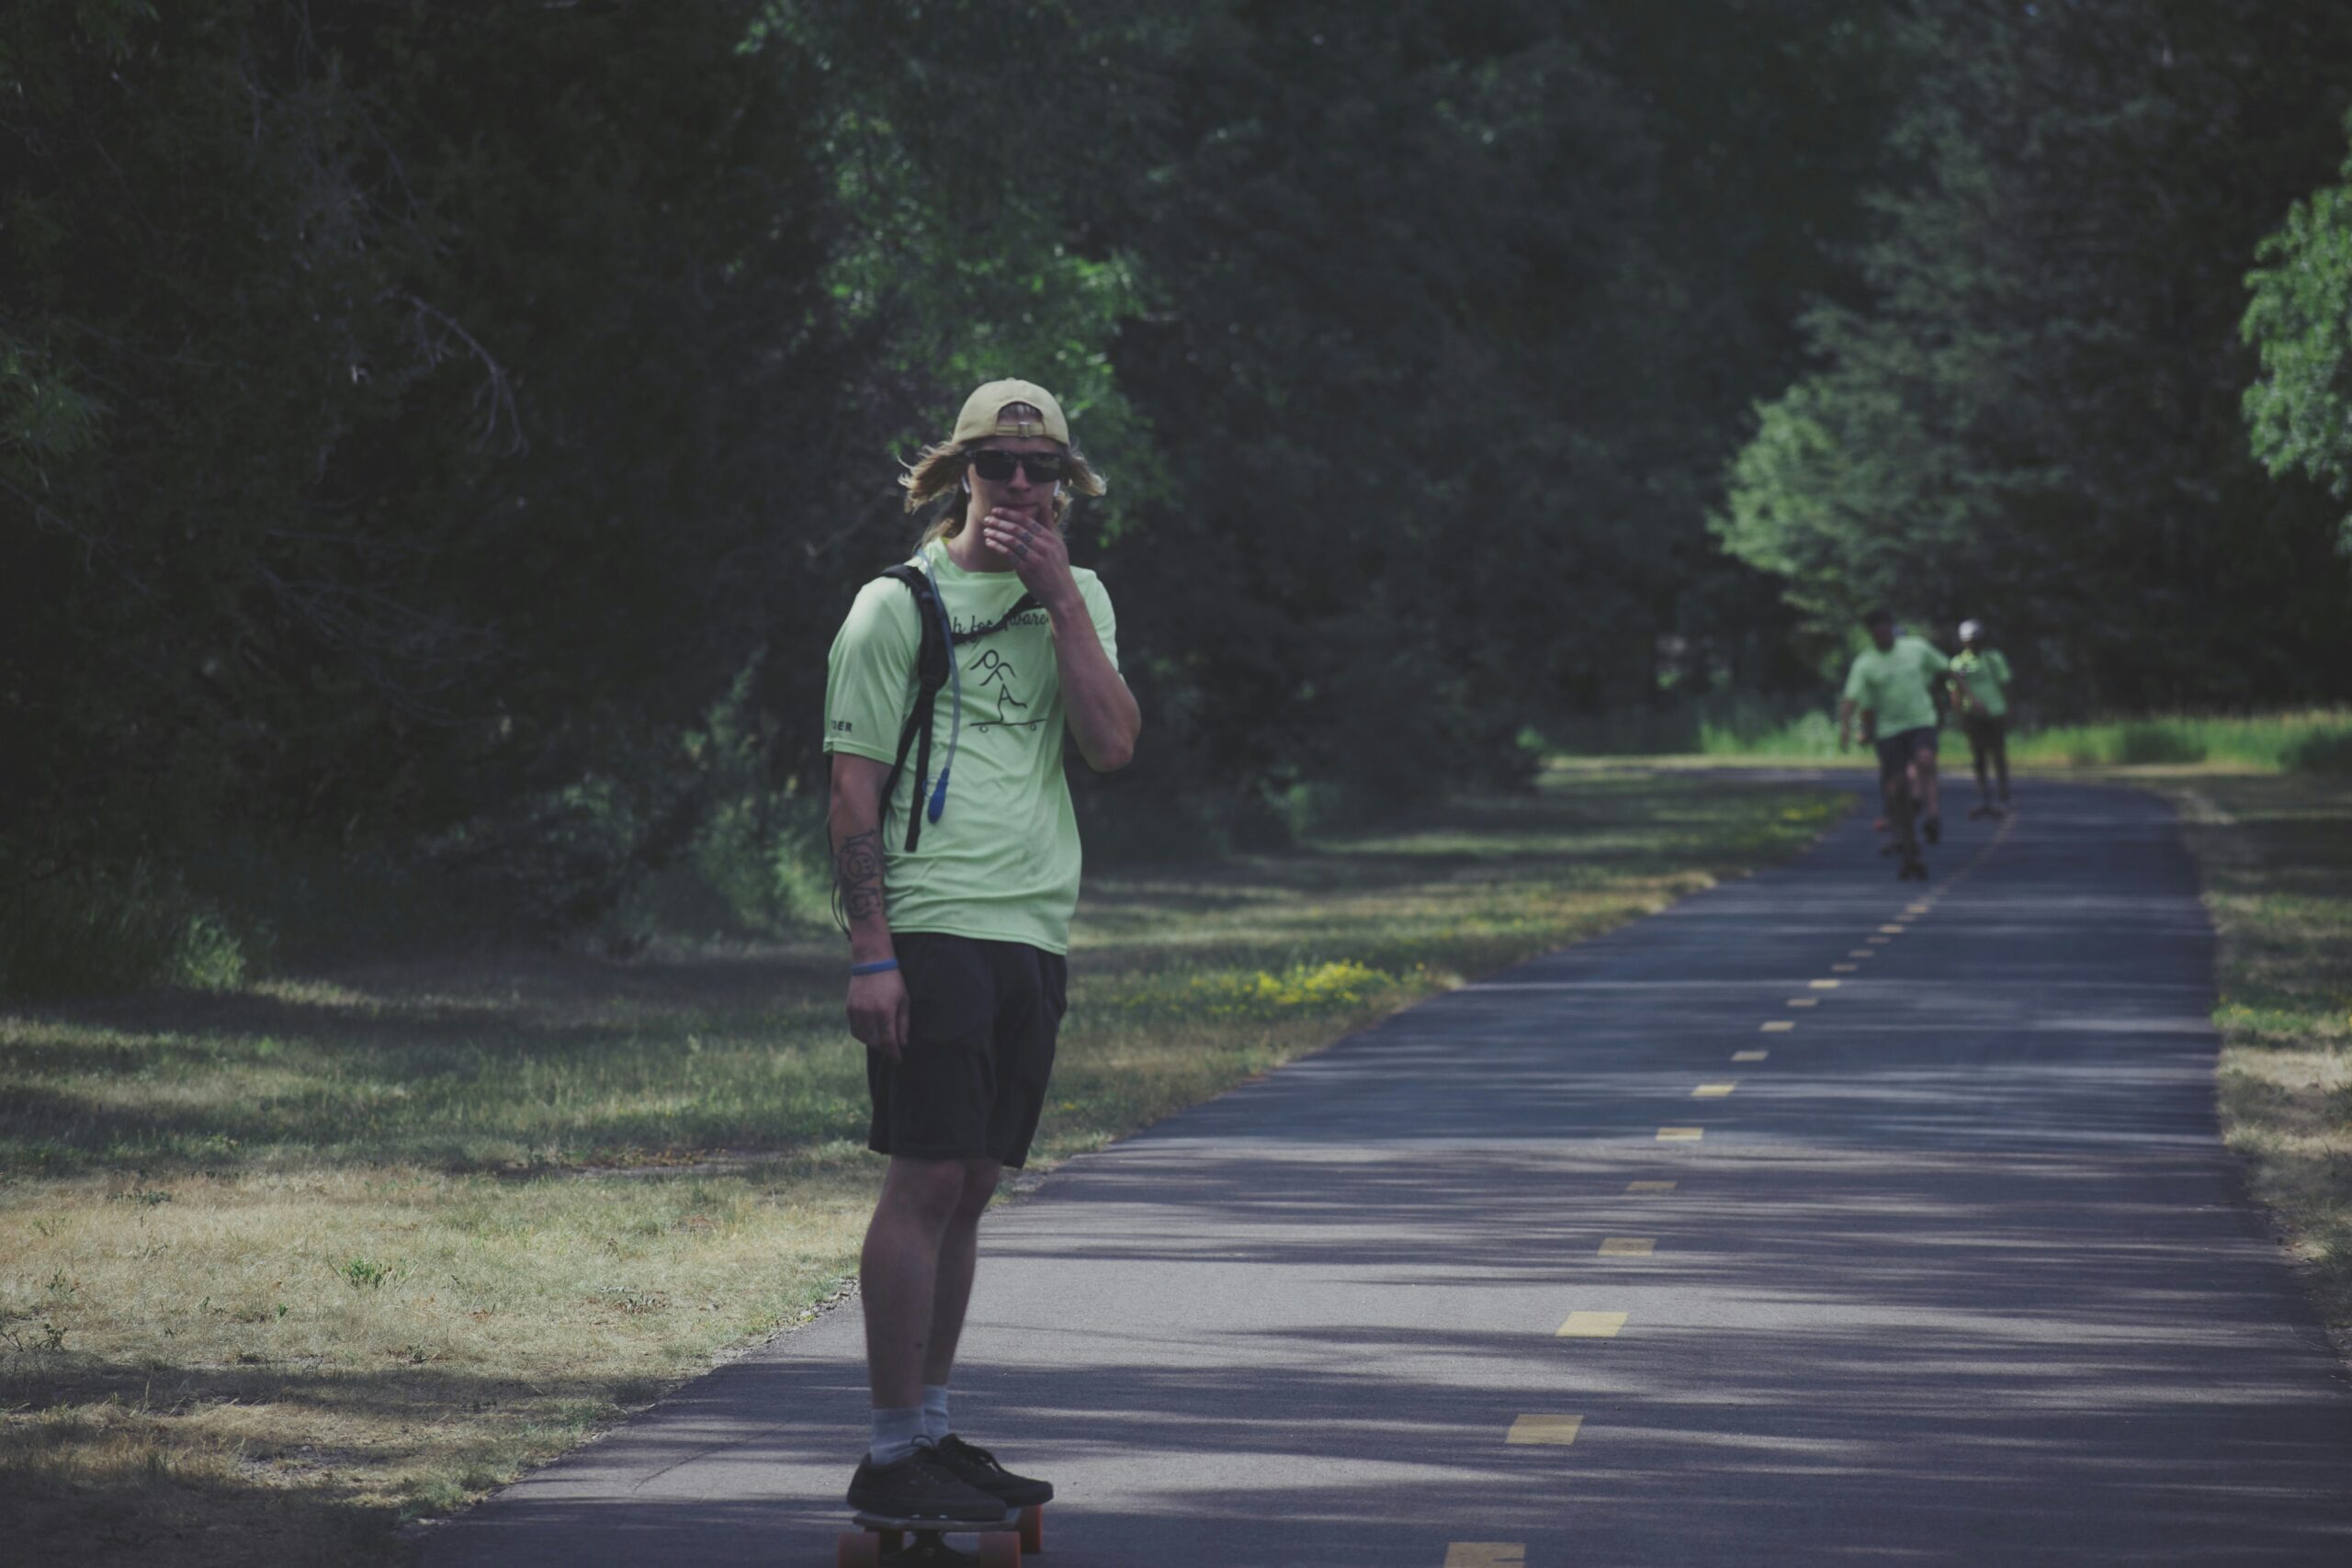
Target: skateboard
x=880, y=1541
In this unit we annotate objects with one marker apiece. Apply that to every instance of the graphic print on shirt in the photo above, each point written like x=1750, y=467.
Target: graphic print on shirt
x=993, y=666
x=990, y=671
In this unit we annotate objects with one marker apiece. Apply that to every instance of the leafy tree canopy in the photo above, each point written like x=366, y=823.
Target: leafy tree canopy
x=2299, y=410
x=2032, y=418
x=449, y=432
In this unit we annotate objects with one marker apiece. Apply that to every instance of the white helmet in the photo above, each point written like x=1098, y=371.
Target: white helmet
x=1971, y=630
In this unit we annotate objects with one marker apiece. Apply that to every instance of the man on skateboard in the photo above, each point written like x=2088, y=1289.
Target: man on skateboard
x=957, y=883
x=1893, y=681
x=1986, y=715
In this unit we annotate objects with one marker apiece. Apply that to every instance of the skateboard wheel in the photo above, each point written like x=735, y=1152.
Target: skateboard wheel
x=1032, y=1528
x=856, y=1549
x=999, y=1548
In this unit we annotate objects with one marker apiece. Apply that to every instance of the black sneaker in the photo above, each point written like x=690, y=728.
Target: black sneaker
x=920, y=1487
x=1932, y=830
x=974, y=1466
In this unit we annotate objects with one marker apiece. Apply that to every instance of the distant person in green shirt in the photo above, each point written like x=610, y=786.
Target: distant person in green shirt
x=1892, y=689
x=1984, y=713
x=957, y=885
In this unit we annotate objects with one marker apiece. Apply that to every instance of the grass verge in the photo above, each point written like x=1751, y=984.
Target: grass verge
x=2275, y=853
x=2314, y=741
x=285, y=1263
x=2307, y=741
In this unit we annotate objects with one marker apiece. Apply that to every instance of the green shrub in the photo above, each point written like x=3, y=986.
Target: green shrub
x=799, y=861
x=2155, y=742
x=1812, y=734
x=2329, y=751
x=92, y=932
x=1716, y=724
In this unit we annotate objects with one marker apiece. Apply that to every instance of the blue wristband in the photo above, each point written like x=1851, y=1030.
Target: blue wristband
x=879, y=966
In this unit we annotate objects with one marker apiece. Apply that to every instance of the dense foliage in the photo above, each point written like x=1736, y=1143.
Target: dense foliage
x=445, y=434
x=2034, y=417
x=394, y=452
x=1424, y=332
x=2300, y=408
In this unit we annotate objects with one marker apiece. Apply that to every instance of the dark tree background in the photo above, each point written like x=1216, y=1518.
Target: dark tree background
x=437, y=439
x=2034, y=414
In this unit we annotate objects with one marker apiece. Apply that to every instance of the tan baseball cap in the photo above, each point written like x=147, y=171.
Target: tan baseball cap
x=984, y=416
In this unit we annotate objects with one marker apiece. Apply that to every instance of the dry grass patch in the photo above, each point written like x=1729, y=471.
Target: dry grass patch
x=283, y=1266
x=378, y=1340
x=2277, y=857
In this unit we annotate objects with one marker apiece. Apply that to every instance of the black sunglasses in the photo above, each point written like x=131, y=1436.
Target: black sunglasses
x=1042, y=467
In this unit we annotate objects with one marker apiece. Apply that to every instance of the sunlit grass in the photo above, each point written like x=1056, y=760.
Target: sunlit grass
x=289, y=1354
x=283, y=1264
x=2316, y=740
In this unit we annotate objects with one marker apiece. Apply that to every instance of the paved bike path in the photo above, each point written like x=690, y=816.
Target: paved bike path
x=1957, y=1272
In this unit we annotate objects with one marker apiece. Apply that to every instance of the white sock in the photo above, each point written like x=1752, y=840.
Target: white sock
x=896, y=1433
x=934, y=1411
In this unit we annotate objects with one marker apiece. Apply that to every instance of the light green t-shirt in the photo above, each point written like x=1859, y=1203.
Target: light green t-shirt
x=1987, y=674
x=1002, y=862
x=1894, y=684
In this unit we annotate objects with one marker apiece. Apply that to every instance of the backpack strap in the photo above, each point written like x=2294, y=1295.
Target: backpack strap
x=930, y=673
x=933, y=658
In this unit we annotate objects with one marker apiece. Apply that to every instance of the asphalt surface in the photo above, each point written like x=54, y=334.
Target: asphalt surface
x=1959, y=1272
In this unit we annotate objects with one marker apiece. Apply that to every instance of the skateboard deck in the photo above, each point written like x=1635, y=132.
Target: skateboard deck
x=882, y=1542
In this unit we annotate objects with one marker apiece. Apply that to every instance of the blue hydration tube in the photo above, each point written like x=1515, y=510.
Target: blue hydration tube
x=955, y=684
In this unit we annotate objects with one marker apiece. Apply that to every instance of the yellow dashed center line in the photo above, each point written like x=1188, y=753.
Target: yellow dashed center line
x=1557, y=1429
x=1486, y=1554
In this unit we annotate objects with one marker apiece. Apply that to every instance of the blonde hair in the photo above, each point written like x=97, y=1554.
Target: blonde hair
x=938, y=471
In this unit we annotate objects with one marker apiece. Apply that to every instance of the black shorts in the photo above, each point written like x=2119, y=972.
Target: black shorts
x=1895, y=752
x=1985, y=731
x=971, y=1081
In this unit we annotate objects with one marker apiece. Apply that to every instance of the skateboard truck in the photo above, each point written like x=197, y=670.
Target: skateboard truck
x=881, y=1541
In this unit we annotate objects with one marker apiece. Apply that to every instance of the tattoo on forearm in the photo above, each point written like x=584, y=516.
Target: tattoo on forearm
x=857, y=871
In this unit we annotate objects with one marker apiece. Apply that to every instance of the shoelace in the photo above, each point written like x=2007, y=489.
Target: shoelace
x=933, y=1477
x=972, y=1451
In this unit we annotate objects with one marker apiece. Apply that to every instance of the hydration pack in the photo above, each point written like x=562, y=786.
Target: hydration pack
x=934, y=670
